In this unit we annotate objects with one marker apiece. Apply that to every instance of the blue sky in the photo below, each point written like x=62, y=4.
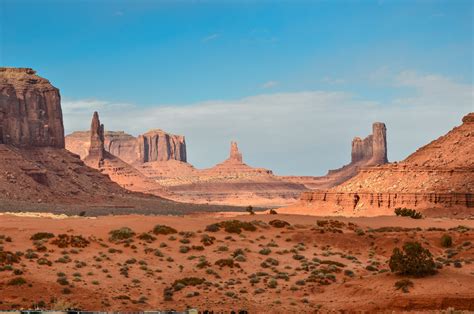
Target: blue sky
x=163, y=62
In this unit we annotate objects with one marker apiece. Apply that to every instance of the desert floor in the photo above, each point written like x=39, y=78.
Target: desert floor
x=312, y=263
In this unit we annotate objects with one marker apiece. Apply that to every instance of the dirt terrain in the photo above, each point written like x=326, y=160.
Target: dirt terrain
x=308, y=264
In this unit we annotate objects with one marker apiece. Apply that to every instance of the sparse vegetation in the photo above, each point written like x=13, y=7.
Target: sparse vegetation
x=41, y=236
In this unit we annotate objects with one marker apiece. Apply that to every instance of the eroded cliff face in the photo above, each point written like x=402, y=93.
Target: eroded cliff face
x=30, y=110
x=437, y=179
x=155, y=145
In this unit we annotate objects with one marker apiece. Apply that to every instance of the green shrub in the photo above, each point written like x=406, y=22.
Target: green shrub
x=146, y=237
x=446, y=240
x=414, y=260
x=277, y=223
x=226, y=262
x=121, y=234
x=407, y=212
x=17, y=281
x=41, y=236
x=403, y=285
x=187, y=281
x=163, y=229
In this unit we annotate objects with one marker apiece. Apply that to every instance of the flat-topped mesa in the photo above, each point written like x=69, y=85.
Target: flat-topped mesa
x=157, y=145
x=96, y=148
x=30, y=110
x=235, y=155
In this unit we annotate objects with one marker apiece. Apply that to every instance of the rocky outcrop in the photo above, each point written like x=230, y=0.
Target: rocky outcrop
x=437, y=179
x=96, y=148
x=235, y=155
x=155, y=145
x=30, y=110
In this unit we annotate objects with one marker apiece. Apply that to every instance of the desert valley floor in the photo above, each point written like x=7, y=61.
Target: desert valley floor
x=260, y=263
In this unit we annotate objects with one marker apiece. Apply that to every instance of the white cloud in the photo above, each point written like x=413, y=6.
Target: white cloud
x=210, y=37
x=305, y=132
x=269, y=84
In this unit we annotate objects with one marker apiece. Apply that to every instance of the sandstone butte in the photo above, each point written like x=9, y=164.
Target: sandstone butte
x=438, y=180
x=231, y=182
x=38, y=174
x=154, y=145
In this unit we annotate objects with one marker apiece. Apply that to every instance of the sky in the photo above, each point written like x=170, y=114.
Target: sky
x=291, y=81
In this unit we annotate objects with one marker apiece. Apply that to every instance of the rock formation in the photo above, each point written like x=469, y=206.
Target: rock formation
x=155, y=145
x=437, y=179
x=235, y=155
x=37, y=173
x=30, y=110
x=96, y=148
x=369, y=151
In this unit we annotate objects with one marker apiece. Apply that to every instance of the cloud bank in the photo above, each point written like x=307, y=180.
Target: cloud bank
x=301, y=133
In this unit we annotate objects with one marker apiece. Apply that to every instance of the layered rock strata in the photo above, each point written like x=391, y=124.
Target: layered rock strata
x=437, y=179
x=155, y=145
x=30, y=110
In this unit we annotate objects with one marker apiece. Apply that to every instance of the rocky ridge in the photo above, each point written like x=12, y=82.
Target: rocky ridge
x=437, y=179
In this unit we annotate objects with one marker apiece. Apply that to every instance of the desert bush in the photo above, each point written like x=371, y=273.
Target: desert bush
x=249, y=210
x=17, y=281
x=226, y=262
x=403, y=285
x=265, y=251
x=41, y=236
x=207, y=240
x=168, y=294
x=272, y=283
x=329, y=262
x=146, y=237
x=236, y=226
x=446, y=240
x=121, y=234
x=213, y=228
x=273, y=212
x=7, y=257
x=277, y=223
x=184, y=249
x=412, y=260
x=44, y=261
x=187, y=281
x=65, y=240
x=163, y=229
x=407, y=212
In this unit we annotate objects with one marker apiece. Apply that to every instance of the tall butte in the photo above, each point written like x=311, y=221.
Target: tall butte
x=96, y=148
x=30, y=110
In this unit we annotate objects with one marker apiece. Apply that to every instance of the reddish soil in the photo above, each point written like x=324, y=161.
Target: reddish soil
x=284, y=287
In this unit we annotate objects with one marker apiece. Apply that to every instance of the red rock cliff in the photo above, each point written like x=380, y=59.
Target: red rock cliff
x=155, y=145
x=30, y=110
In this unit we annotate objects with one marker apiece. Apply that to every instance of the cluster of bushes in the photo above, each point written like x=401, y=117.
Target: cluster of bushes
x=407, y=212
x=232, y=226
x=65, y=240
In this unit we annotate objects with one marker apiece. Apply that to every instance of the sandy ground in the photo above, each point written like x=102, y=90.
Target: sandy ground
x=118, y=276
